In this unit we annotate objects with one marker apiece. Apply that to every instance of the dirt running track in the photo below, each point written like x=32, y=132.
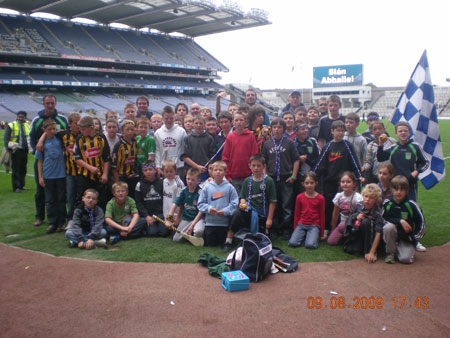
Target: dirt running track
x=46, y=296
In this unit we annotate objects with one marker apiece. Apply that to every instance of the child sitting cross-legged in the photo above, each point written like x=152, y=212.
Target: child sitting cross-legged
x=122, y=217
x=218, y=200
x=258, y=197
x=405, y=223
x=366, y=223
x=87, y=226
x=309, y=216
x=189, y=219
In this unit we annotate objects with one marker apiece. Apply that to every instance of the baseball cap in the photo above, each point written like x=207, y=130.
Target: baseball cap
x=296, y=91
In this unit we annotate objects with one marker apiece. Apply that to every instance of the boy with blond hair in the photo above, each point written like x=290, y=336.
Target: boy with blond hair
x=172, y=185
x=156, y=123
x=122, y=216
x=367, y=222
x=218, y=200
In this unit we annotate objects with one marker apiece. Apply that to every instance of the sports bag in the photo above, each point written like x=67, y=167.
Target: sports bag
x=253, y=257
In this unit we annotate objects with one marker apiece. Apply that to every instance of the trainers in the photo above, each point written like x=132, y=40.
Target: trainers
x=390, y=259
x=60, y=228
x=51, y=229
x=420, y=247
x=226, y=247
x=37, y=222
x=72, y=244
x=114, y=239
x=100, y=243
x=18, y=190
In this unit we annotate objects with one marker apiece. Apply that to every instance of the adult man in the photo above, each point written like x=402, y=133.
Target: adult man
x=250, y=99
x=323, y=106
x=295, y=101
x=49, y=112
x=195, y=109
x=142, y=105
x=17, y=133
x=325, y=136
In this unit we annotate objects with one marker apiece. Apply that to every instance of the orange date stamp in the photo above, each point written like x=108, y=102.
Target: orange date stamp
x=363, y=303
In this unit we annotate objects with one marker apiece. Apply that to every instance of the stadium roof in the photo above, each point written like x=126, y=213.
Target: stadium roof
x=189, y=17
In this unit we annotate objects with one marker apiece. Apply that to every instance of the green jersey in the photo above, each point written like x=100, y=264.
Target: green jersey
x=117, y=212
x=145, y=146
x=256, y=198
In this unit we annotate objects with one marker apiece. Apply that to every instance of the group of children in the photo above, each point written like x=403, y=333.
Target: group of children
x=263, y=178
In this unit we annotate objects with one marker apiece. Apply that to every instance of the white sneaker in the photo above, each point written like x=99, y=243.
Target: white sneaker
x=420, y=247
x=101, y=243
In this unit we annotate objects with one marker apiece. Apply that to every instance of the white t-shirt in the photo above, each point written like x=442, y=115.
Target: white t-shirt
x=347, y=203
x=171, y=190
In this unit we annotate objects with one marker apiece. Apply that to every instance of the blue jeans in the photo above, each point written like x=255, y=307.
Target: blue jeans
x=137, y=231
x=310, y=232
x=157, y=229
x=55, y=200
x=71, y=191
x=72, y=237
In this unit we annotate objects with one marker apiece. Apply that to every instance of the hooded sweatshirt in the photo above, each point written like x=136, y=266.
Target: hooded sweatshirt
x=221, y=196
x=169, y=145
x=237, y=152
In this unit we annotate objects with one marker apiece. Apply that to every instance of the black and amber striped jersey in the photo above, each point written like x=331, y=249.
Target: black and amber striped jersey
x=124, y=157
x=68, y=140
x=94, y=150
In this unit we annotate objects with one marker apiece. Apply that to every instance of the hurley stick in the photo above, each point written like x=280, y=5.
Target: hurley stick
x=195, y=241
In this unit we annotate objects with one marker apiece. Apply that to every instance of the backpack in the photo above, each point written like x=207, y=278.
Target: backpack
x=253, y=257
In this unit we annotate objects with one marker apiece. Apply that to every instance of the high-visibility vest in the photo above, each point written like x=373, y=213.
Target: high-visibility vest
x=15, y=130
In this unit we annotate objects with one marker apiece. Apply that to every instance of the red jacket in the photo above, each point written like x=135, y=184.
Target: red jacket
x=237, y=152
x=310, y=211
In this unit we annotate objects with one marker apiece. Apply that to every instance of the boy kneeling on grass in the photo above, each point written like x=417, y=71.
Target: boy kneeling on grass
x=122, y=216
x=87, y=230
x=188, y=219
x=405, y=223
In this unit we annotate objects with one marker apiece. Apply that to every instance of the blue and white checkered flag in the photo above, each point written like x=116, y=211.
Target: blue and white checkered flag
x=416, y=106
